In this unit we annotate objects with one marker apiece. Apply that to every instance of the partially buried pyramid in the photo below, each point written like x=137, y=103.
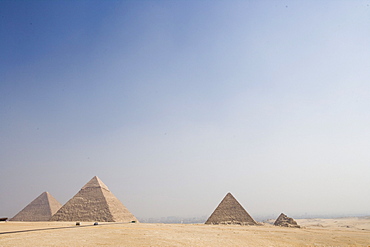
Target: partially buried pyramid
x=229, y=211
x=40, y=209
x=94, y=202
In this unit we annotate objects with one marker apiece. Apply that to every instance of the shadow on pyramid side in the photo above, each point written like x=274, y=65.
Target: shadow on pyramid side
x=229, y=211
x=40, y=209
x=94, y=202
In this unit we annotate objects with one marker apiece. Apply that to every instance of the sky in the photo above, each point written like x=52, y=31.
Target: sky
x=173, y=104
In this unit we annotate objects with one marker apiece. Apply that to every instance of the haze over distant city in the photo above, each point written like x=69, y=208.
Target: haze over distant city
x=172, y=104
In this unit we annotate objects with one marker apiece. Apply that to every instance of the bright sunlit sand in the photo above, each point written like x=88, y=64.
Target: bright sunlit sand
x=314, y=232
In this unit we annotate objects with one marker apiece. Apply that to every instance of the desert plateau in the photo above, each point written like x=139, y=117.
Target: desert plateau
x=313, y=232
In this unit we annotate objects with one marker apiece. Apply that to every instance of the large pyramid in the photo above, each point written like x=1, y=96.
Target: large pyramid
x=94, y=202
x=40, y=209
x=229, y=211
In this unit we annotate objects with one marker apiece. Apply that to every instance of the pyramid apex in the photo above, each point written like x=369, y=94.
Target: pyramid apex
x=229, y=196
x=94, y=183
x=45, y=193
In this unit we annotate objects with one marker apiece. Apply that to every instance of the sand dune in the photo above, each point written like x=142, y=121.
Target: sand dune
x=315, y=232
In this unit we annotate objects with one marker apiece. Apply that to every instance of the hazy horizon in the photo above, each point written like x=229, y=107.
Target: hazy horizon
x=173, y=104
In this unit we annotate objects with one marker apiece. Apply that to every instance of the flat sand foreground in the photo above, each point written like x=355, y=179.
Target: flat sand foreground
x=315, y=232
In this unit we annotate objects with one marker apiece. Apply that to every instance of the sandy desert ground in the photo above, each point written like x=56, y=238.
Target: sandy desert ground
x=314, y=232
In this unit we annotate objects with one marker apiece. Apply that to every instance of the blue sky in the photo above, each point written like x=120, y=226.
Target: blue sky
x=175, y=103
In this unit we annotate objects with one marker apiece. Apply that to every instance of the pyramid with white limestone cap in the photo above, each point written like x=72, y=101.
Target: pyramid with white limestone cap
x=229, y=211
x=94, y=202
x=40, y=209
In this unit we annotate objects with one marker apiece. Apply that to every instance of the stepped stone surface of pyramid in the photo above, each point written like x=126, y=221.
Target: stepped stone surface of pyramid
x=286, y=221
x=94, y=202
x=40, y=209
x=229, y=211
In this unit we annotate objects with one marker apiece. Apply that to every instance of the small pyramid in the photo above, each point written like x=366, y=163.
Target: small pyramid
x=229, y=211
x=40, y=209
x=285, y=221
x=94, y=202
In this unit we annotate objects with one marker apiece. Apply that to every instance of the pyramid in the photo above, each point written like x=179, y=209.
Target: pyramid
x=286, y=221
x=40, y=209
x=94, y=202
x=229, y=211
